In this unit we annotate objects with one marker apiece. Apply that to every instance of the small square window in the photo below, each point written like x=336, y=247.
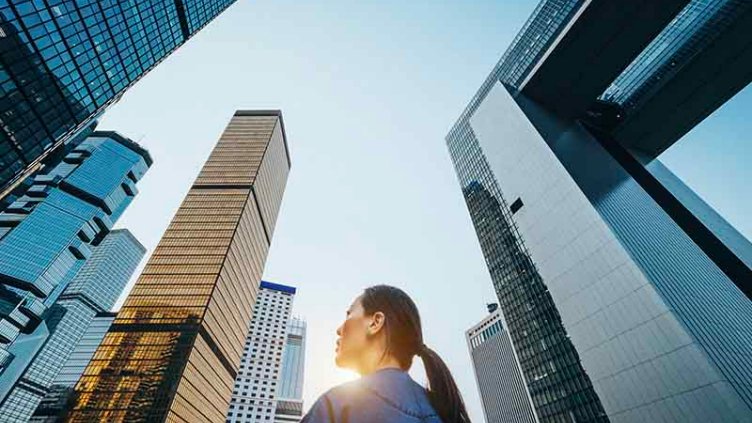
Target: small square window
x=516, y=205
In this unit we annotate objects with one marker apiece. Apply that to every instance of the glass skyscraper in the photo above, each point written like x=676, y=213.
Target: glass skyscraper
x=46, y=237
x=691, y=31
x=626, y=297
x=173, y=352
x=84, y=350
x=502, y=387
x=56, y=403
x=23, y=141
x=63, y=62
x=94, y=290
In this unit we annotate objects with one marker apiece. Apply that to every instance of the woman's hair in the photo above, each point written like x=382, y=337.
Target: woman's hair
x=404, y=340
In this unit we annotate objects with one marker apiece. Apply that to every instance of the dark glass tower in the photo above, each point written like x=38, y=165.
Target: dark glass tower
x=546, y=354
x=626, y=297
x=23, y=136
x=173, y=352
x=63, y=62
x=46, y=237
x=94, y=290
x=692, y=30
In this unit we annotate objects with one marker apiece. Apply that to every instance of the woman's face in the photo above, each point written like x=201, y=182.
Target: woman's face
x=352, y=337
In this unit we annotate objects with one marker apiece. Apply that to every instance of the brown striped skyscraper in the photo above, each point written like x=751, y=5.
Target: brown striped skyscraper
x=173, y=350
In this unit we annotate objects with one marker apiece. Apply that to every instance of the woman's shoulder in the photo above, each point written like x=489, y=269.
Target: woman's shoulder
x=384, y=394
x=335, y=402
x=347, y=391
x=346, y=394
x=367, y=386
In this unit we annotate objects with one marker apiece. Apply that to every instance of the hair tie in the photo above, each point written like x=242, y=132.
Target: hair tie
x=422, y=350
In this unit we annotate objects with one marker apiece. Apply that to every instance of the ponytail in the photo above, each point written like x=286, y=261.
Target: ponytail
x=405, y=341
x=442, y=390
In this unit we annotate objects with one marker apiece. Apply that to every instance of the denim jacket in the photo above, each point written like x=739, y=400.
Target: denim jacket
x=386, y=396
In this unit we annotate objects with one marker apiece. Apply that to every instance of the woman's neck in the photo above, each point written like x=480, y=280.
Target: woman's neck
x=385, y=362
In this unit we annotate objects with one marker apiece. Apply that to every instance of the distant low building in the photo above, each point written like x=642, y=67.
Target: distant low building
x=502, y=387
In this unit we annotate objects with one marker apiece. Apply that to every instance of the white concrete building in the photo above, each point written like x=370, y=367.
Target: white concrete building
x=261, y=380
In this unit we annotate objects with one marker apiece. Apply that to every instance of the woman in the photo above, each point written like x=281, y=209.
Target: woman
x=379, y=339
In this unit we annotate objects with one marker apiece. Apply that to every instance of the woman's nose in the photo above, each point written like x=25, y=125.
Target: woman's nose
x=339, y=330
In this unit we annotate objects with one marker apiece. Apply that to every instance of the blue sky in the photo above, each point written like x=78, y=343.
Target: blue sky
x=368, y=90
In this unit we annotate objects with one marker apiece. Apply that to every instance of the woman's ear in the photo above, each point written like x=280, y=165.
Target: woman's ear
x=377, y=322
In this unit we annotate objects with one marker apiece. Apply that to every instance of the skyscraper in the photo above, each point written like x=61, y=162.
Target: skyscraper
x=48, y=234
x=289, y=406
x=60, y=398
x=19, y=187
x=173, y=351
x=64, y=62
x=23, y=137
x=268, y=371
x=502, y=387
x=625, y=296
x=94, y=290
x=85, y=348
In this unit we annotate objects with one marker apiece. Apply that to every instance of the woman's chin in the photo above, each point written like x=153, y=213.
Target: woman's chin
x=340, y=362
